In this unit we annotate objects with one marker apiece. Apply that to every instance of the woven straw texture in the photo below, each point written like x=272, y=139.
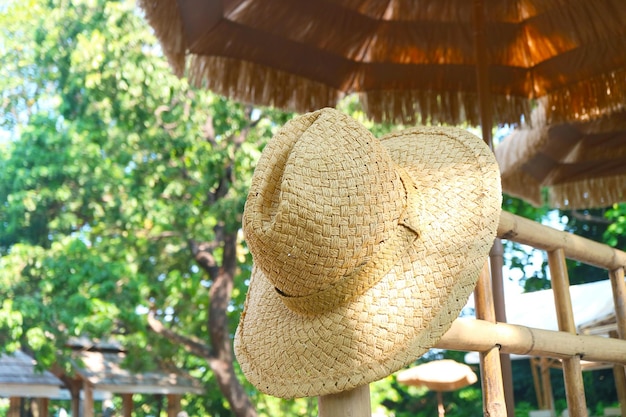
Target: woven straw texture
x=410, y=61
x=365, y=250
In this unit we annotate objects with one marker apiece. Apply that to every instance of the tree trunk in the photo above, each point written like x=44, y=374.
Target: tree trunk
x=220, y=353
x=223, y=357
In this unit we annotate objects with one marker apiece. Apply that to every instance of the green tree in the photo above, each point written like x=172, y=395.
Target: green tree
x=121, y=191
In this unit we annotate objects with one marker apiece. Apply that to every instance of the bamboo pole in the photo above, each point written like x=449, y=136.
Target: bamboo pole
x=352, y=403
x=472, y=335
x=531, y=233
x=534, y=364
x=546, y=384
x=619, y=299
x=620, y=379
x=494, y=403
x=572, y=372
x=491, y=374
x=496, y=258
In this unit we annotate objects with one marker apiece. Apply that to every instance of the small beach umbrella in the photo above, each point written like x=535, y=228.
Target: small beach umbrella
x=441, y=375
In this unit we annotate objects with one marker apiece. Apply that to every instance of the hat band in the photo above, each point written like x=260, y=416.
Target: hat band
x=368, y=274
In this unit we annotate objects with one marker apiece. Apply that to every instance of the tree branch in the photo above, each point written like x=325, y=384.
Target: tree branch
x=191, y=345
x=589, y=218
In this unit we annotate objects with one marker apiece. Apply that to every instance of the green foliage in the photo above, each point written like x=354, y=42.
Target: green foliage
x=111, y=168
x=615, y=233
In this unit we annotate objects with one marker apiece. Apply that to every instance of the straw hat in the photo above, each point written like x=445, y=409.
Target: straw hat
x=365, y=250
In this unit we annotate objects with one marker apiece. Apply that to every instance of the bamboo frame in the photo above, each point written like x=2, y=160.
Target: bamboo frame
x=486, y=335
x=492, y=338
x=481, y=336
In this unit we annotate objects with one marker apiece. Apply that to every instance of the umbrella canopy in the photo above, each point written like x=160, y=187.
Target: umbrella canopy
x=441, y=375
x=409, y=60
x=582, y=164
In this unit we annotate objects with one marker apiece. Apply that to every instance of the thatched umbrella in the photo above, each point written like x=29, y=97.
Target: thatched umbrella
x=439, y=376
x=408, y=60
x=582, y=164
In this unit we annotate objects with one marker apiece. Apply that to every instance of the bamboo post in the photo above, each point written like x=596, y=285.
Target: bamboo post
x=534, y=364
x=572, y=372
x=546, y=385
x=352, y=403
x=620, y=379
x=496, y=258
x=492, y=373
x=493, y=390
x=619, y=299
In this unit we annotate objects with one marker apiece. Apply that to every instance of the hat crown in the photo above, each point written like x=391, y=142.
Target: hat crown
x=325, y=195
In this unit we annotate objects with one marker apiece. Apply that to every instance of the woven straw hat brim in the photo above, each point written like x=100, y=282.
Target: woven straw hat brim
x=288, y=355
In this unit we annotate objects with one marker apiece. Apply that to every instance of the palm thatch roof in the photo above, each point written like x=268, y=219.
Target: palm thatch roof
x=409, y=61
x=582, y=164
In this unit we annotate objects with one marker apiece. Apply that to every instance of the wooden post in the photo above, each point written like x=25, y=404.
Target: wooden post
x=43, y=404
x=546, y=385
x=620, y=379
x=534, y=364
x=127, y=405
x=14, y=407
x=353, y=403
x=572, y=372
x=494, y=404
x=88, y=407
x=441, y=410
x=73, y=386
x=173, y=405
x=619, y=299
x=496, y=258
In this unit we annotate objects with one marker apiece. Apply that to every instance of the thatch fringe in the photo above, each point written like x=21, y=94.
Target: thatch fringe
x=589, y=99
x=523, y=186
x=590, y=193
x=250, y=82
x=576, y=195
x=164, y=17
x=255, y=83
x=440, y=107
x=526, y=152
x=582, y=101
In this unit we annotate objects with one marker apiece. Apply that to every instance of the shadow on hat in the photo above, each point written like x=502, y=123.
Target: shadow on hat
x=365, y=250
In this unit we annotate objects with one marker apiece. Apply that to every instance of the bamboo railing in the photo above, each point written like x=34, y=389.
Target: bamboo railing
x=486, y=336
x=491, y=338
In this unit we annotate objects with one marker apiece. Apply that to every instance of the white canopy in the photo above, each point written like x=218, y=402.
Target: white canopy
x=591, y=303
